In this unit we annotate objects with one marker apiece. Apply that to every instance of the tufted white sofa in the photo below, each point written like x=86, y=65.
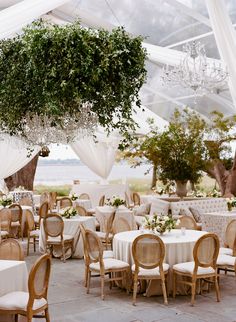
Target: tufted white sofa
x=204, y=205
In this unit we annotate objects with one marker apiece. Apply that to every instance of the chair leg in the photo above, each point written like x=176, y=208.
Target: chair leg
x=163, y=285
x=86, y=272
x=16, y=317
x=47, y=318
x=174, y=284
x=88, y=281
x=34, y=244
x=135, y=288
x=193, y=291
x=63, y=254
x=28, y=246
x=102, y=286
x=217, y=289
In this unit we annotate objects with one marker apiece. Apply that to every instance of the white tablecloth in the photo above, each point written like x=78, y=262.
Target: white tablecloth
x=217, y=222
x=96, y=191
x=13, y=277
x=86, y=203
x=179, y=248
x=103, y=214
x=71, y=227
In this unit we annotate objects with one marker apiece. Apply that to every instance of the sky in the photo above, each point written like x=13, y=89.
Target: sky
x=59, y=151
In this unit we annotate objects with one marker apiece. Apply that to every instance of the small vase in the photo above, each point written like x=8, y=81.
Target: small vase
x=229, y=207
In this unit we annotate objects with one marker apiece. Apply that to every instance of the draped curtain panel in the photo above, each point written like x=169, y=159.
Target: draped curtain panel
x=13, y=156
x=16, y=17
x=225, y=37
x=98, y=156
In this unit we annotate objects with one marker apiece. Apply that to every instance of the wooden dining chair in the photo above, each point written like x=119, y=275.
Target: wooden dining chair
x=205, y=255
x=136, y=199
x=187, y=222
x=226, y=260
x=43, y=211
x=16, y=219
x=81, y=210
x=106, y=236
x=54, y=235
x=64, y=202
x=11, y=249
x=52, y=200
x=32, y=231
x=26, y=201
x=101, y=201
x=44, y=197
x=148, y=252
x=84, y=196
x=5, y=222
x=100, y=265
x=33, y=302
x=119, y=225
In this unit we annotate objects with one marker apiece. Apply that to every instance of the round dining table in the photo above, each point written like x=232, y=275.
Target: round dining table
x=179, y=246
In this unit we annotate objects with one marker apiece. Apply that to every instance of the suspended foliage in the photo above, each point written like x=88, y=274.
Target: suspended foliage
x=52, y=69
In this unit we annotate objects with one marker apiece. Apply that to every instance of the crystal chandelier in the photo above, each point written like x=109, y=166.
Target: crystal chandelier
x=43, y=130
x=195, y=71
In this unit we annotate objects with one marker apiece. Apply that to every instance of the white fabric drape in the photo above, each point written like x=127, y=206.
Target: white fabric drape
x=16, y=17
x=97, y=156
x=225, y=37
x=13, y=156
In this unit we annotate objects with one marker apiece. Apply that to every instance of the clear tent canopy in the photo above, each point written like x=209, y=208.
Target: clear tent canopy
x=165, y=23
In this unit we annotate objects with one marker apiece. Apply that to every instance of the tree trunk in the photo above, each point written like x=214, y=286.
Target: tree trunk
x=154, y=176
x=24, y=177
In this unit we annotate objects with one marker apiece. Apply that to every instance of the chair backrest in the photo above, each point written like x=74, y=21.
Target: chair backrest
x=5, y=219
x=44, y=197
x=84, y=196
x=81, y=210
x=83, y=233
x=53, y=226
x=94, y=247
x=30, y=220
x=148, y=251
x=187, y=222
x=127, y=202
x=10, y=249
x=26, y=201
x=102, y=201
x=120, y=224
x=136, y=199
x=65, y=202
x=39, y=279
x=16, y=212
x=43, y=210
x=230, y=236
x=206, y=251
x=52, y=200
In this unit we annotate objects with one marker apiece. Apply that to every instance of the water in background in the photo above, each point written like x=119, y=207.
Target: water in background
x=65, y=174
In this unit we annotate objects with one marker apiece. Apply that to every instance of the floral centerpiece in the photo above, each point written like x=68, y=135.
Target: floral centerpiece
x=69, y=212
x=115, y=201
x=73, y=196
x=160, y=223
x=6, y=200
x=197, y=194
x=20, y=188
x=231, y=203
x=214, y=193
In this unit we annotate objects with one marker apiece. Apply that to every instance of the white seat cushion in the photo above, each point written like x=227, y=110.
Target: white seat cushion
x=102, y=235
x=34, y=233
x=15, y=224
x=108, y=254
x=226, y=260
x=226, y=251
x=18, y=301
x=150, y=272
x=189, y=267
x=4, y=233
x=109, y=263
x=58, y=239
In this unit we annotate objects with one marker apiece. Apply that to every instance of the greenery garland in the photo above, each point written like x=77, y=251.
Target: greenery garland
x=52, y=69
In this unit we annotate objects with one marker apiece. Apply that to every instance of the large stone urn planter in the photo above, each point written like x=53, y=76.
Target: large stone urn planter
x=181, y=188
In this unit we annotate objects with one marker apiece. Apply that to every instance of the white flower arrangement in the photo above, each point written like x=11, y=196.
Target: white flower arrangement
x=160, y=223
x=19, y=188
x=73, y=196
x=69, y=212
x=231, y=203
x=214, y=193
x=6, y=200
x=115, y=201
